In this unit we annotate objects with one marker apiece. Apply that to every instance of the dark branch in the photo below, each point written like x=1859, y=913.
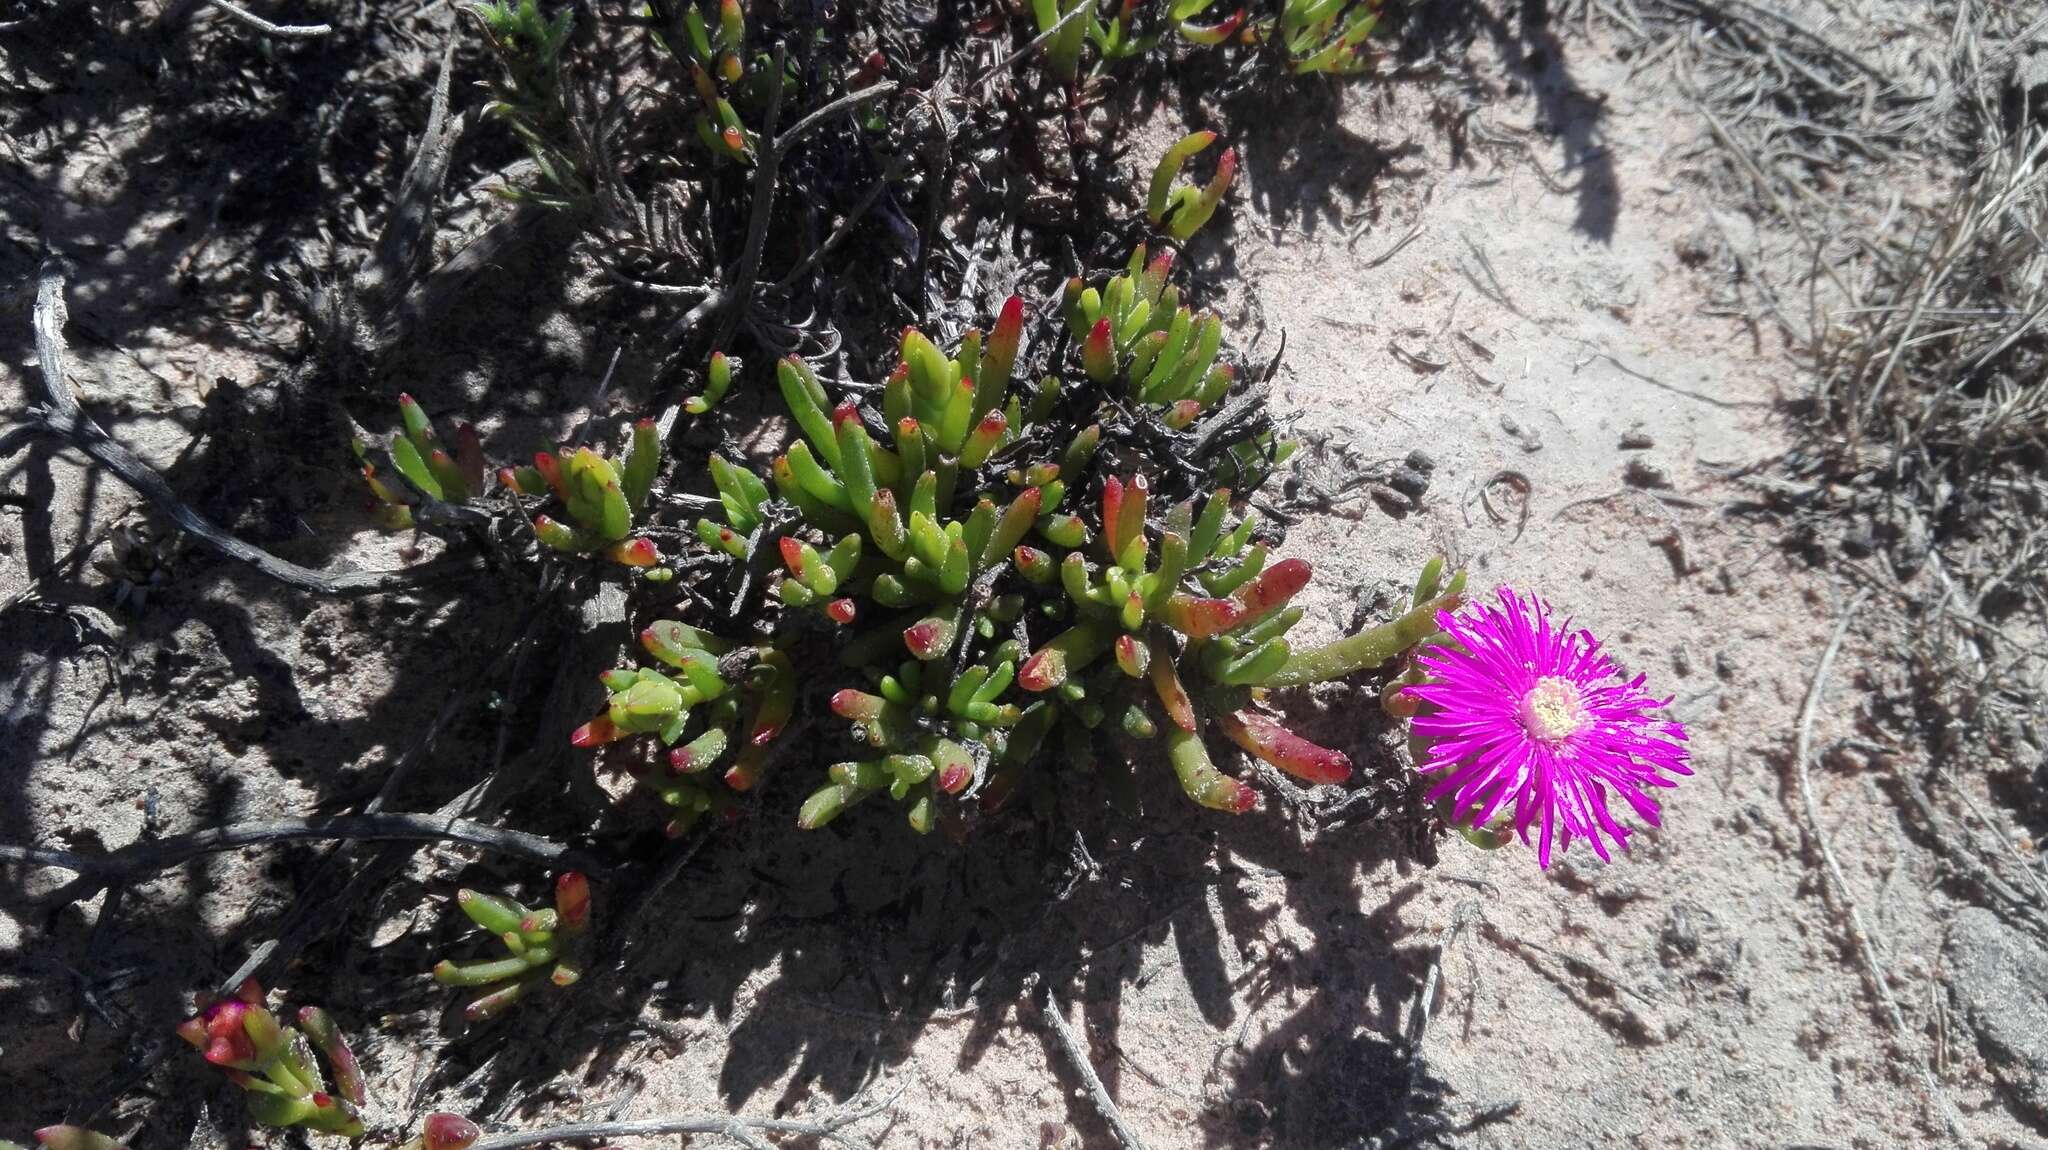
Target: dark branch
x=732, y=1126
x=283, y=31
x=1055, y=1013
x=153, y=855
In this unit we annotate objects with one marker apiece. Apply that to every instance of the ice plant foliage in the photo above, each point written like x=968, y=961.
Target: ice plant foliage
x=696, y=708
x=274, y=1064
x=1327, y=36
x=1526, y=718
x=420, y=467
x=601, y=498
x=1063, y=51
x=1136, y=335
x=538, y=944
x=1001, y=603
x=717, y=378
x=714, y=54
x=1181, y=211
x=528, y=94
x=1182, y=15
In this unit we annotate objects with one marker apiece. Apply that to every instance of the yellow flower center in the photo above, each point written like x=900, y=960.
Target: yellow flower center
x=1552, y=710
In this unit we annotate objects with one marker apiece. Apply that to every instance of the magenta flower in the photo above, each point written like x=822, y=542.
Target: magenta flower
x=1521, y=709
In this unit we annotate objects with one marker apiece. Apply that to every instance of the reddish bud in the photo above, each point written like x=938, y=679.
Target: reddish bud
x=449, y=1132
x=572, y=900
x=1398, y=702
x=1162, y=264
x=595, y=733
x=1132, y=657
x=1009, y=323
x=858, y=706
x=927, y=638
x=1036, y=565
x=550, y=467
x=1098, y=352
x=844, y=412
x=841, y=611
x=1112, y=513
x=1043, y=671
x=634, y=553
x=871, y=69
x=469, y=455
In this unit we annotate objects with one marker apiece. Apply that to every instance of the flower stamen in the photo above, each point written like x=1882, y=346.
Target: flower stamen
x=1553, y=710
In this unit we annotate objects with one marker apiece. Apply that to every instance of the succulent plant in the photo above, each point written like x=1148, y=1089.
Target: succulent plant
x=713, y=52
x=1063, y=51
x=1314, y=36
x=984, y=611
x=717, y=378
x=528, y=94
x=1182, y=13
x=1134, y=331
x=695, y=709
x=1115, y=38
x=601, y=499
x=421, y=467
x=1181, y=211
x=538, y=946
x=274, y=1063
x=142, y=561
x=1327, y=36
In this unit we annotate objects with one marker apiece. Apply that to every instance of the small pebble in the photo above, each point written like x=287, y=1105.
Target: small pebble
x=1643, y=473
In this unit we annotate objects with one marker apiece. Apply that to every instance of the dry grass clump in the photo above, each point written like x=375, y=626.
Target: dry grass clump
x=1894, y=176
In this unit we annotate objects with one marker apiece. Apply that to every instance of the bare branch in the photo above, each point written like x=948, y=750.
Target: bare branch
x=283, y=31
x=408, y=233
x=1055, y=1013
x=845, y=103
x=153, y=855
x=740, y=1129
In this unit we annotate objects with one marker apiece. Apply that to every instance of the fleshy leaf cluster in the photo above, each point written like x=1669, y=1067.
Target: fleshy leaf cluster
x=274, y=1063
x=998, y=598
x=421, y=467
x=539, y=946
x=602, y=499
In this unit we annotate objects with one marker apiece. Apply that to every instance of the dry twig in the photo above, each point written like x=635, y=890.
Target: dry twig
x=1070, y=1044
x=249, y=19
x=743, y=1130
x=153, y=855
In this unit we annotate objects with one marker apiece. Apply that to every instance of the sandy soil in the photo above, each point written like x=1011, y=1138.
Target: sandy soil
x=1530, y=319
